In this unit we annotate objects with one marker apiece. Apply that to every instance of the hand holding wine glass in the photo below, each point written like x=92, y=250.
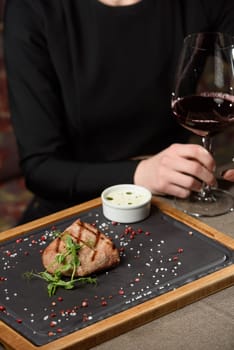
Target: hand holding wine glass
x=203, y=102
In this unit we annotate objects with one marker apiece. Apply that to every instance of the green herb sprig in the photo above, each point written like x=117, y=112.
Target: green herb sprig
x=68, y=261
x=56, y=280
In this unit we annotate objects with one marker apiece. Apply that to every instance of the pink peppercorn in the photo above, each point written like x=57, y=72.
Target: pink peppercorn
x=84, y=303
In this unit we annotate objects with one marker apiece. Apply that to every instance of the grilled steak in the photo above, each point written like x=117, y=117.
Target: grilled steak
x=96, y=251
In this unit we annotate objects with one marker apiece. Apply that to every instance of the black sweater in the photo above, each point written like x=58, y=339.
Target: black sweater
x=90, y=86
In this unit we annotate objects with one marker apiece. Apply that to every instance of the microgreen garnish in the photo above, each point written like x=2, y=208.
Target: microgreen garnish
x=56, y=233
x=67, y=261
x=55, y=281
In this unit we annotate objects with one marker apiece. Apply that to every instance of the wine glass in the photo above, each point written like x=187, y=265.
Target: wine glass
x=203, y=102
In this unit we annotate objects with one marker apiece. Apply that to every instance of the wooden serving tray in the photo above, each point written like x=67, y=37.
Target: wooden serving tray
x=156, y=304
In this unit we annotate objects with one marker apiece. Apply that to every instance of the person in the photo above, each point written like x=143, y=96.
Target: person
x=90, y=84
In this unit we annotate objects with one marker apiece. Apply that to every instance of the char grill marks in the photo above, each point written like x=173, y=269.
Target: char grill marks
x=96, y=233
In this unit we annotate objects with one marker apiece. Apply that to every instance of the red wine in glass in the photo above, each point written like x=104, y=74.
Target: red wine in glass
x=208, y=113
x=203, y=102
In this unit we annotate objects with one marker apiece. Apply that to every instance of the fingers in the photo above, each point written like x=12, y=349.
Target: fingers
x=195, y=152
x=193, y=161
x=177, y=184
x=228, y=175
x=177, y=170
x=194, y=170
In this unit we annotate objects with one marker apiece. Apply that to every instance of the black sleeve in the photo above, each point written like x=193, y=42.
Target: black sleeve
x=38, y=115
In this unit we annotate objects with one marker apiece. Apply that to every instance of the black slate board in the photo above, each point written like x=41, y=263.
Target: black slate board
x=162, y=255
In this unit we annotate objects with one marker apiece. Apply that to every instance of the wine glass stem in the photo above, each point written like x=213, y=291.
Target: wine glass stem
x=205, y=192
x=207, y=143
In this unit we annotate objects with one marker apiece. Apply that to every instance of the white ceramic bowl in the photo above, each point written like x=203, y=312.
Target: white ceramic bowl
x=126, y=203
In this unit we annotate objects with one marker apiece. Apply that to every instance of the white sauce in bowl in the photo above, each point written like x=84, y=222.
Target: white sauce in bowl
x=126, y=197
x=126, y=203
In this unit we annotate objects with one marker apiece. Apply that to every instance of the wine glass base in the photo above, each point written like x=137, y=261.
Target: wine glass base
x=222, y=202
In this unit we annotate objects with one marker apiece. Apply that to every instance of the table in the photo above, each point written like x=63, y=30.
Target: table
x=205, y=324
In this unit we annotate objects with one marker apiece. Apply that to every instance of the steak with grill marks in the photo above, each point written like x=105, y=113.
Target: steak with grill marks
x=97, y=252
